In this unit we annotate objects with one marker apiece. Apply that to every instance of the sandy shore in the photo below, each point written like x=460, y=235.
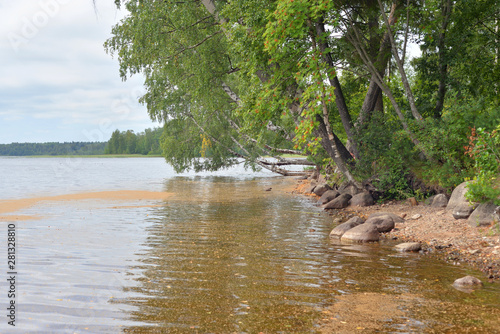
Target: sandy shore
x=9, y=208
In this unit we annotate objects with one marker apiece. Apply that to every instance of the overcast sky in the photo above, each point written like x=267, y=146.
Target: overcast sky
x=56, y=81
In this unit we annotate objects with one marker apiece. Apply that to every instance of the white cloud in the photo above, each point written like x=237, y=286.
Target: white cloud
x=58, y=84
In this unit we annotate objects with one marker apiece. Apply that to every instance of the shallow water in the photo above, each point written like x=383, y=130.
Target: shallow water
x=221, y=256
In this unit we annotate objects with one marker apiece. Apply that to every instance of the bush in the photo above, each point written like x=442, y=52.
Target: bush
x=484, y=149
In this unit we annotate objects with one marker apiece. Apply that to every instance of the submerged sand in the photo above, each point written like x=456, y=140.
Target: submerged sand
x=8, y=207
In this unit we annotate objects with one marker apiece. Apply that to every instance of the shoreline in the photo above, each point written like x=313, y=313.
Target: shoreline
x=441, y=235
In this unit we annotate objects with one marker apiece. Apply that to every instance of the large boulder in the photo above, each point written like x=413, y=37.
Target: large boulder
x=439, y=201
x=338, y=203
x=350, y=189
x=396, y=218
x=328, y=196
x=361, y=233
x=458, y=196
x=463, y=210
x=321, y=189
x=339, y=230
x=484, y=215
x=362, y=199
x=382, y=223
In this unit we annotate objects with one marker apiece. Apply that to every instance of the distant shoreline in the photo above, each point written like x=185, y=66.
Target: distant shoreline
x=86, y=156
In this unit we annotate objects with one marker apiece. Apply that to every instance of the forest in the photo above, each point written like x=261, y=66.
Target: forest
x=403, y=95
x=121, y=142
x=128, y=142
x=68, y=148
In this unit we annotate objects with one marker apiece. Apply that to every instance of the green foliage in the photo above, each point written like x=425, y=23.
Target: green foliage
x=387, y=155
x=445, y=139
x=484, y=149
x=127, y=142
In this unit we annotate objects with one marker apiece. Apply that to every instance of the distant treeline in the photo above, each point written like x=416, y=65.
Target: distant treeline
x=128, y=142
x=73, y=148
x=124, y=142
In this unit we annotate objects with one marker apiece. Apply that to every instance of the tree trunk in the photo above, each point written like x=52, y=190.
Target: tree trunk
x=374, y=92
x=339, y=95
x=446, y=8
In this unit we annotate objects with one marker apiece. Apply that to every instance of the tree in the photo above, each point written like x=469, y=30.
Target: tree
x=249, y=78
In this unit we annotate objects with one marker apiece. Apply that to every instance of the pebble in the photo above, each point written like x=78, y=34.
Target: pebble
x=416, y=216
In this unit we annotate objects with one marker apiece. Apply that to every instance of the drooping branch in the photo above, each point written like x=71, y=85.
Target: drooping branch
x=272, y=166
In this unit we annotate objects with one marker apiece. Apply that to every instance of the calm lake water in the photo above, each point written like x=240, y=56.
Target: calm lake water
x=220, y=256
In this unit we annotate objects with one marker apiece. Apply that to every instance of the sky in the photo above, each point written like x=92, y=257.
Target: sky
x=57, y=83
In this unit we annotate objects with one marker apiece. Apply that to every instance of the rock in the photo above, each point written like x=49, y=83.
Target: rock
x=458, y=196
x=396, y=218
x=462, y=211
x=302, y=177
x=484, y=215
x=340, y=202
x=349, y=189
x=416, y=216
x=412, y=201
x=321, y=189
x=467, y=281
x=361, y=233
x=409, y=247
x=268, y=189
x=314, y=175
x=310, y=189
x=339, y=230
x=440, y=201
x=362, y=199
x=328, y=196
x=383, y=223
x=428, y=201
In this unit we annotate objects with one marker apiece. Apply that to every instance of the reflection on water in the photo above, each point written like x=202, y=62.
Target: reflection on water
x=221, y=256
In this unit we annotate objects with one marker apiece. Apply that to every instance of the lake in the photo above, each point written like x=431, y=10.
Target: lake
x=219, y=255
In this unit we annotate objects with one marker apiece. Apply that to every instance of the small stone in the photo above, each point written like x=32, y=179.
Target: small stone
x=440, y=201
x=416, y=216
x=463, y=211
x=474, y=251
x=412, y=201
x=409, y=247
x=467, y=281
x=403, y=215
